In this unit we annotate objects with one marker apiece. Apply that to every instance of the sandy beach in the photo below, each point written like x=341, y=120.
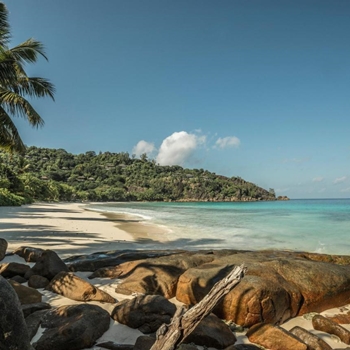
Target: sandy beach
x=69, y=229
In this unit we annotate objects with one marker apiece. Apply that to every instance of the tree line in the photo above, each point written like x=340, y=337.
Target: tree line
x=43, y=174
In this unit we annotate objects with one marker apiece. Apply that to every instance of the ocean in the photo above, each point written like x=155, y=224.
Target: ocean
x=314, y=225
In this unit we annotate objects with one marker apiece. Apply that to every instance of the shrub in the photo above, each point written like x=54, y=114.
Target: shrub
x=9, y=199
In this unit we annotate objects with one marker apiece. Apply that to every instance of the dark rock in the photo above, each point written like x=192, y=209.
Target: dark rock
x=36, y=281
x=324, y=324
x=212, y=332
x=18, y=279
x=74, y=287
x=73, y=327
x=12, y=269
x=33, y=322
x=312, y=340
x=187, y=347
x=243, y=347
x=145, y=312
x=144, y=343
x=95, y=261
x=274, y=338
x=29, y=274
x=13, y=329
x=26, y=295
x=29, y=254
x=3, y=247
x=114, y=346
x=49, y=264
x=28, y=309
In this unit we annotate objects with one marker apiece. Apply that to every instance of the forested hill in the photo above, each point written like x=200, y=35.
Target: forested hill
x=56, y=175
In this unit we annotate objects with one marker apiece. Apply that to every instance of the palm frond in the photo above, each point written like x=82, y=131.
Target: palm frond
x=34, y=87
x=28, y=51
x=4, y=26
x=15, y=85
x=9, y=136
x=9, y=68
x=18, y=105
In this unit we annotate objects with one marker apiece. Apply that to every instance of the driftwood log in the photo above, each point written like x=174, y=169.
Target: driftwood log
x=184, y=322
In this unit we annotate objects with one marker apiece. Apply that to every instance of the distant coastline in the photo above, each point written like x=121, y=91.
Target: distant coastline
x=43, y=174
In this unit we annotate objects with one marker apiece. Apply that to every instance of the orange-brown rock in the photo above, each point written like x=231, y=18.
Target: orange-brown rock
x=29, y=254
x=324, y=324
x=340, y=318
x=153, y=276
x=74, y=287
x=311, y=340
x=274, y=338
x=277, y=286
x=257, y=298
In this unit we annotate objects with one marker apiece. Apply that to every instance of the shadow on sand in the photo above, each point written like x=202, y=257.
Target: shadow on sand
x=70, y=242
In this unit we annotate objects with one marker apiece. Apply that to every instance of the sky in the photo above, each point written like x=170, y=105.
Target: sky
x=249, y=88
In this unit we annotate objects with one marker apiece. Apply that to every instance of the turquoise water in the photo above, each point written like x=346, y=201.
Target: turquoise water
x=319, y=225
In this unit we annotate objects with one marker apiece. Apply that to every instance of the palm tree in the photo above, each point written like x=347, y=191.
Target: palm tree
x=15, y=85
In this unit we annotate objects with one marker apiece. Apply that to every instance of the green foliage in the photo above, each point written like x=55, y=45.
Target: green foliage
x=56, y=175
x=16, y=86
x=9, y=199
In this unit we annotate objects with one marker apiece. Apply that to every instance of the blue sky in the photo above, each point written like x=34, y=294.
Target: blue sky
x=257, y=89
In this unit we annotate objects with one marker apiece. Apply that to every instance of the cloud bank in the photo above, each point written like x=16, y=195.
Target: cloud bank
x=143, y=147
x=177, y=148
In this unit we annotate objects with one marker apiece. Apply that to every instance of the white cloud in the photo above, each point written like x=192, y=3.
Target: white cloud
x=178, y=147
x=345, y=190
x=143, y=147
x=229, y=141
x=318, y=179
x=339, y=180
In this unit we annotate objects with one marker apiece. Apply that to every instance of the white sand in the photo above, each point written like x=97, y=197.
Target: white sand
x=66, y=228
x=69, y=229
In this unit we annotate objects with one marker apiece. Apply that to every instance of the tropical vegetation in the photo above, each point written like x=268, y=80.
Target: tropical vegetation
x=16, y=87
x=44, y=174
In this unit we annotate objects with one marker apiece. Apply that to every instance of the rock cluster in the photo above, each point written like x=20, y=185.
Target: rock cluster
x=278, y=285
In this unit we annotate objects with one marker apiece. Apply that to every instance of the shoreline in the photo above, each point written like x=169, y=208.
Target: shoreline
x=71, y=229
x=76, y=229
